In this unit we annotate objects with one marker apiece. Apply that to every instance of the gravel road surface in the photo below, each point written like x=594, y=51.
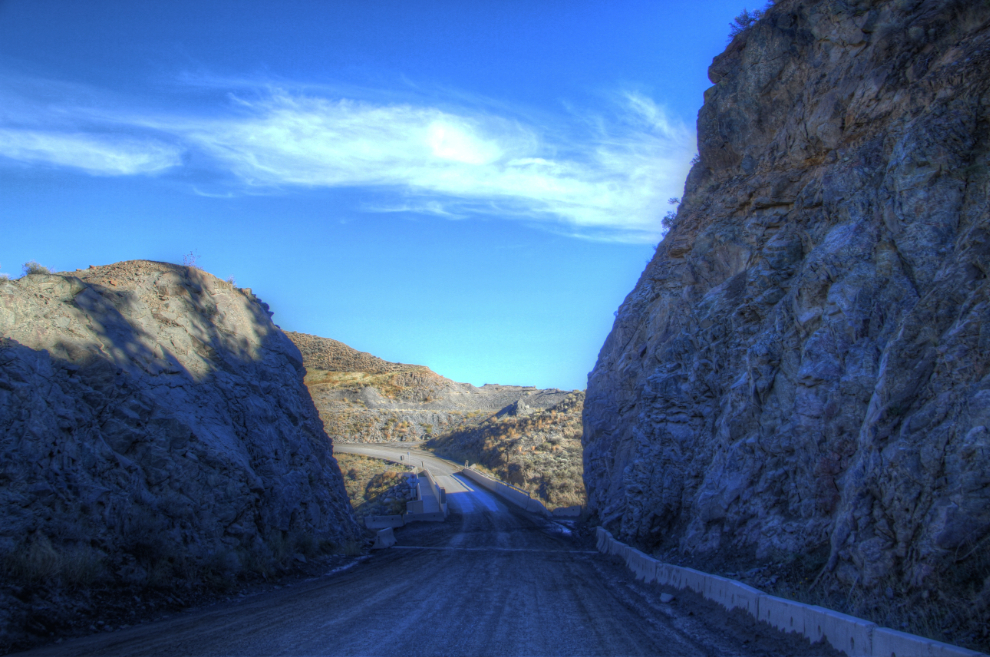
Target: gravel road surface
x=491, y=580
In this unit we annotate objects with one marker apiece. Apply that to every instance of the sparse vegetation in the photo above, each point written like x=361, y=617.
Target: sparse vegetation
x=540, y=453
x=191, y=259
x=670, y=218
x=32, y=267
x=37, y=561
x=746, y=19
x=369, y=482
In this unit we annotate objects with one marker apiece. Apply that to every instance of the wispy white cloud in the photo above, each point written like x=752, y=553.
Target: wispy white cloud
x=605, y=174
x=100, y=155
x=617, y=176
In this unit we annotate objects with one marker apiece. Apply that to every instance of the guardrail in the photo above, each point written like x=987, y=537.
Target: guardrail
x=853, y=636
x=439, y=493
x=415, y=509
x=518, y=497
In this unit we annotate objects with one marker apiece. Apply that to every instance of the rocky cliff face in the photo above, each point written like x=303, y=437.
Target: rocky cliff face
x=803, y=366
x=153, y=421
x=362, y=398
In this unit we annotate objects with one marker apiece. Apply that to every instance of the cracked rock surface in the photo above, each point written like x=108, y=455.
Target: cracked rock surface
x=803, y=365
x=151, y=415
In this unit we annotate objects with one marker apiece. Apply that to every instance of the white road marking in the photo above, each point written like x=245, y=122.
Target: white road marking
x=489, y=549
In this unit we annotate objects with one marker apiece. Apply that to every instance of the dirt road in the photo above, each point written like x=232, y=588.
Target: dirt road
x=488, y=581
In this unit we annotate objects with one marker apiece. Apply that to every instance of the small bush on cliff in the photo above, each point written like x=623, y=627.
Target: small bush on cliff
x=746, y=20
x=32, y=267
x=191, y=259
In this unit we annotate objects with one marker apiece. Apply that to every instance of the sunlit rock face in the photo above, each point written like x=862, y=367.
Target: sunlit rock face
x=803, y=364
x=152, y=415
x=362, y=398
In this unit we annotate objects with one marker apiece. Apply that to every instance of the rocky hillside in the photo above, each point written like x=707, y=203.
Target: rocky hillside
x=536, y=449
x=802, y=368
x=154, y=428
x=362, y=398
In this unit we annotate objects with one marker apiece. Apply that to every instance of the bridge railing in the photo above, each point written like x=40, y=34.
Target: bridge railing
x=515, y=495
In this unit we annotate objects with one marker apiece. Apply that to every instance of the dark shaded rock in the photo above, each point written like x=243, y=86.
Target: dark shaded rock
x=154, y=425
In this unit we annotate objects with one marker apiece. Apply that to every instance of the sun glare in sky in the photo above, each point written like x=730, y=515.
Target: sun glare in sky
x=472, y=186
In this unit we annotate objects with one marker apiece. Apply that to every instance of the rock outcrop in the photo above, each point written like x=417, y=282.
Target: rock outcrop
x=154, y=421
x=362, y=398
x=803, y=365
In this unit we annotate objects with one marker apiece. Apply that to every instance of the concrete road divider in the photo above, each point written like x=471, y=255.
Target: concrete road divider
x=733, y=595
x=853, y=636
x=507, y=492
x=384, y=539
x=381, y=522
x=891, y=643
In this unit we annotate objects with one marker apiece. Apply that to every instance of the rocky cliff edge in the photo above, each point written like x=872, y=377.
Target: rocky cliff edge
x=802, y=369
x=154, y=425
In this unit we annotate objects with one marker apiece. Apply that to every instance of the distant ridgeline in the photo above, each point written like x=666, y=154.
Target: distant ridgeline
x=362, y=398
x=801, y=373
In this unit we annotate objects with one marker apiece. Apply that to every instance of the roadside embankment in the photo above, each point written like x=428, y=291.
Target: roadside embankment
x=853, y=636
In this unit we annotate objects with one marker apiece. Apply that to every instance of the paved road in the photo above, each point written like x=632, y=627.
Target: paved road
x=442, y=470
x=489, y=581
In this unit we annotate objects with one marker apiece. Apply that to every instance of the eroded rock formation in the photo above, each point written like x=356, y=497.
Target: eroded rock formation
x=362, y=398
x=803, y=366
x=154, y=421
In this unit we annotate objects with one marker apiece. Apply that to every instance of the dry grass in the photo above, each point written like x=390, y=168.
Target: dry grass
x=368, y=480
x=390, y=385
x=32, y=267
x=37, y=561
x=540, y=453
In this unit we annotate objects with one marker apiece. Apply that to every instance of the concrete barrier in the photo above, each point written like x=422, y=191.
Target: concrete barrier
x=853, y=636
x=891, y=643
x=384, y=539
x=432, y=488
x=507, y=492
x=380, y=522
x=733, y=595
x=436, y=516
x=567, y=512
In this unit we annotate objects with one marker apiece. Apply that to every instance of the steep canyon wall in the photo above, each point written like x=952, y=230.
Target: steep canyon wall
x=153, y=424
x=803, y=366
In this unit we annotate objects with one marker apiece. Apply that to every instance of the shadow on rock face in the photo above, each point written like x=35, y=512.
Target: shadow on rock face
x=154, y=428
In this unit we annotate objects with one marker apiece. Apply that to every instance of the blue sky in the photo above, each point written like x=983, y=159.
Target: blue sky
x=473, y=186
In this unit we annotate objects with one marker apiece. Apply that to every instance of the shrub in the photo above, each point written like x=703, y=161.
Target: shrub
x=190, y=260
x=669, y=219
x=32, y=267
x=746, y=20
x=35, y=560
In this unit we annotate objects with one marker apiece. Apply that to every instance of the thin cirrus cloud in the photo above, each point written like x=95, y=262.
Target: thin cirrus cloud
x=605, y=176
x=95, y=154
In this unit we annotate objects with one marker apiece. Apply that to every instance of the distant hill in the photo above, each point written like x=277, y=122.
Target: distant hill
x=522, y=434
x=362, y=398
x=536, y=449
